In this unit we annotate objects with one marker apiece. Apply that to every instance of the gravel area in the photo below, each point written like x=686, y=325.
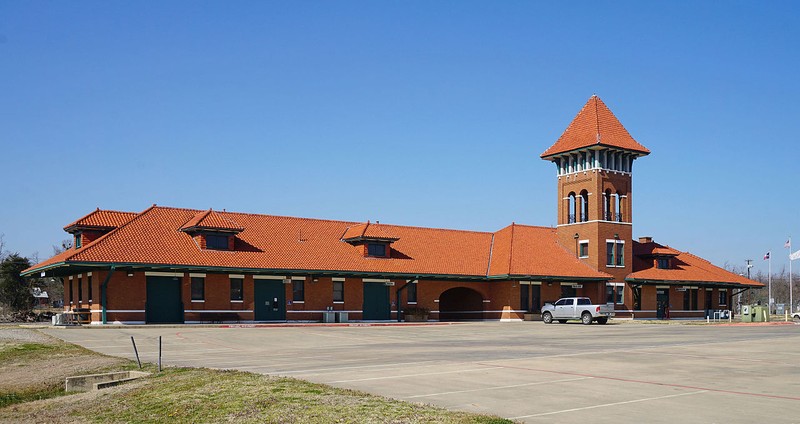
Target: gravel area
x=21, y=335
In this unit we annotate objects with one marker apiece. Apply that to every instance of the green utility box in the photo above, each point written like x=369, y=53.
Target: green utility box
x=748, y=313
x=760, y=313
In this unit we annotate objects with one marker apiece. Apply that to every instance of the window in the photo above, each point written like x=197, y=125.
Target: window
x=199, y=288
x=615, y=253
x=662, y=263
x=89, y=287
x=80, y=290
x=571, y=208
x=236, y=289
x=614, y=293
x=524, y=294
x=583, y=249
x=298, y=290
x=376, y=250
x=338, y=291
x=723, y=297
x=216, y=242
x=584, y=206
x=78, y=241
x=412, y=293
x=70, y=291
x=584, y=301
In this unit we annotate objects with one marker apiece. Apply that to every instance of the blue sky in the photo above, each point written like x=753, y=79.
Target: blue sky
x=411, y=113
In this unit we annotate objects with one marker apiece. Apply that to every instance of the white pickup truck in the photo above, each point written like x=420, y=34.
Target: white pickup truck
x=570, y=308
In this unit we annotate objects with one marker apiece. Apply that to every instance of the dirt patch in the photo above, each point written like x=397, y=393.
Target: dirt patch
x=63, y=410
x=50, y=364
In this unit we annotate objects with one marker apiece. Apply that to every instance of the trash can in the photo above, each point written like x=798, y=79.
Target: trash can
x=747, y=313
x=328, y=317
x=341, y=317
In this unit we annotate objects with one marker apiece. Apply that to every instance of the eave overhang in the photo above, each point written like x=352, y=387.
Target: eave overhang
x=643, y=281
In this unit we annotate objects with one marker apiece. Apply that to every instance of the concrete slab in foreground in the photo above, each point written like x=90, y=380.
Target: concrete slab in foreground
x=528, y=371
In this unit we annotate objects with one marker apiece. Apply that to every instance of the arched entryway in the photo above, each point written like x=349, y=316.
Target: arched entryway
x=460, y=304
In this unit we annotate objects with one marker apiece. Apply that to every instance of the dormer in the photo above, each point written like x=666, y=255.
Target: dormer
x=374, y=239
x=211, y=231
x=662, y=257
x=95, y=225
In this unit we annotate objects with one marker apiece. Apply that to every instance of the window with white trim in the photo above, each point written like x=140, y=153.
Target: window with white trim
x=338, y=291
x=723, y=297
x=298, y=290
x=615, y=253
x=583, y=249
x=615, y=293
x=198, y=288
x=237, y=292
x=412, y=293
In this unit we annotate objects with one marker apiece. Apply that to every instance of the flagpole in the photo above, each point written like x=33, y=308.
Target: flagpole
x=791, y=304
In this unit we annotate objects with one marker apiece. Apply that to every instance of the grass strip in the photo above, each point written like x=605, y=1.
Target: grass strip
x=184, y=395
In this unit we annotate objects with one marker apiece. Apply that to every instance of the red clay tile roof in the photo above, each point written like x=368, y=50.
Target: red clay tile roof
x=279, y=244
x=595, y=125
x=686, y=268
x=374, y=231
x=286, y=243
x=213, y=221
x=527, y=250
x=101, y=219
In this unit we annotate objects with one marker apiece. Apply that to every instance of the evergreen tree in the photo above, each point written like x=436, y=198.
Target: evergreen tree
x=15, y=291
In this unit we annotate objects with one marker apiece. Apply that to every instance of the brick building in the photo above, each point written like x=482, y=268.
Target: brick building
x=181, y=265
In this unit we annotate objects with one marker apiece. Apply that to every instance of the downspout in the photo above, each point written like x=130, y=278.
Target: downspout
x=104, y=290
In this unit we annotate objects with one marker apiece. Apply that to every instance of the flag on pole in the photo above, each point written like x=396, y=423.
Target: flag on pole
x=794, y=256
x=766, y=256
x=788, y=244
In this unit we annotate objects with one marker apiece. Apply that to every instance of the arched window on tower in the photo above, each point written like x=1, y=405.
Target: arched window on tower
x=571, y=208
x=621, y=198
x=584, y=206
x=607, y=205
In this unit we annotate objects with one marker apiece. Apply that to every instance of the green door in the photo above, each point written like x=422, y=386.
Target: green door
x=662, y=302
x=163, y=303
x=376, y=302
x=270, y=300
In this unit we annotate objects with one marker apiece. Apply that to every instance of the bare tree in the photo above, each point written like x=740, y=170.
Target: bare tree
x=3, y=252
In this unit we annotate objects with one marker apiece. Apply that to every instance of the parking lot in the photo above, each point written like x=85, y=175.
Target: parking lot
x=527, y=371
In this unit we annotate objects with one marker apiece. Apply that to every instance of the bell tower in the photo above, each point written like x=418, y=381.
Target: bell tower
x=594, y=159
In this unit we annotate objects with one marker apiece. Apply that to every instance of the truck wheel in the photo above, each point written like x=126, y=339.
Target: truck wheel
x=602, y=320
x=547, y=317
x=586, y=318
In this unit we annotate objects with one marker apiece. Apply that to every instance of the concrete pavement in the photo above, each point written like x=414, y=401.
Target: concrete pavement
x=527, y=371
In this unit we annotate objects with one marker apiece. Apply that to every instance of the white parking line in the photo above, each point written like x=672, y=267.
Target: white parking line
x=413, y=375
x=499, y=387
x=606, y=405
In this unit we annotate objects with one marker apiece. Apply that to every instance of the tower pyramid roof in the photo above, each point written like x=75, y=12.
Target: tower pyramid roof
x=595, y=125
